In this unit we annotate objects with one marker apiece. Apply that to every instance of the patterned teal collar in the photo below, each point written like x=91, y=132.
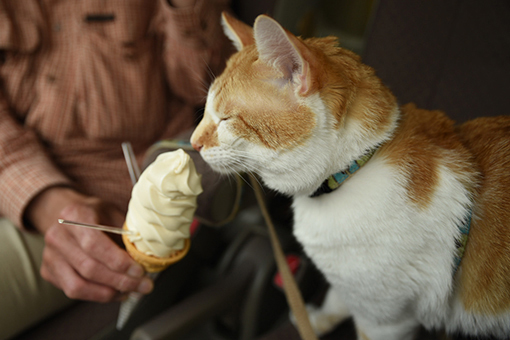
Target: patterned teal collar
x=334, y=181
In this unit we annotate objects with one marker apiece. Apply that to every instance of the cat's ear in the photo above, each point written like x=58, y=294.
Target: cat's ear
x=282, y=50
x=237, y=31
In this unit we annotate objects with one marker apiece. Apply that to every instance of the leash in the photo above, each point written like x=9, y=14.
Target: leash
x=292, y=293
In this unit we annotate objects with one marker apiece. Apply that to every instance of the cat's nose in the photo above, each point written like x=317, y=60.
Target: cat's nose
x=197, y=147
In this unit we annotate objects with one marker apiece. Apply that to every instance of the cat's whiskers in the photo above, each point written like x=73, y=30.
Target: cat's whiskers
x=230, y=172
x=253, y=175
x=244, y=161
x=198, y=77
x=212, y=78
x=238, y=173
x=210, y=72
x=198, y=116
x=242, y=178
x=205, y=85
x=241, y=159
x=235, y=163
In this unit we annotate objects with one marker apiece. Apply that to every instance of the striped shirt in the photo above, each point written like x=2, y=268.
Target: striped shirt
x=78, y=78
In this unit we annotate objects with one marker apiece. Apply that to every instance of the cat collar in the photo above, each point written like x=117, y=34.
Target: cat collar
x=334, y=181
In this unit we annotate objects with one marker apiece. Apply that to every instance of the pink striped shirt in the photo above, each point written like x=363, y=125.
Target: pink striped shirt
x=77, y=78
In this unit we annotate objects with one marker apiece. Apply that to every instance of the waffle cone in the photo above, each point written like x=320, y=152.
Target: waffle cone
x=151, y=263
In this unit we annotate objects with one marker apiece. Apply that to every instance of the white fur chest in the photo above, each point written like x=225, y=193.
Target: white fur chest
x=378, y=249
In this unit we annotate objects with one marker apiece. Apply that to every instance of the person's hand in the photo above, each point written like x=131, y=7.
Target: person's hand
x=86, y=264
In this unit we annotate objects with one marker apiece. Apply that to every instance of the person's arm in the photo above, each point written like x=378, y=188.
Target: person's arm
x=85, y=264
x=25, y=166
x=195, y=47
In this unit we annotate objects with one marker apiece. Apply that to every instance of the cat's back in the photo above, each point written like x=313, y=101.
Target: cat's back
x=485, y=283
x=488, y=138
x=426, y=147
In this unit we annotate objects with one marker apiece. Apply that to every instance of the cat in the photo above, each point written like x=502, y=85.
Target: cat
x=385, y=197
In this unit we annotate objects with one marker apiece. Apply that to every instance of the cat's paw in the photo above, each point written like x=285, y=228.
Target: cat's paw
x=322, y=322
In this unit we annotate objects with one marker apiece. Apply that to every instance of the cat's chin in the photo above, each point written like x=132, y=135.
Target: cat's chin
x=288, y=187
x=279, y=183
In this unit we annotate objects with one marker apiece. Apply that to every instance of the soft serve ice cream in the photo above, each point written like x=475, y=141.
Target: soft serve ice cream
x=163, y=203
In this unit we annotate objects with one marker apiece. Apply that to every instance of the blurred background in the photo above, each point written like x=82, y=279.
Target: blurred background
x=346, y=19
x=452, y=55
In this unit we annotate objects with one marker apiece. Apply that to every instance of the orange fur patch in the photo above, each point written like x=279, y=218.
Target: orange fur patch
x=423, y=140
x=485, y=276
x=264, y=112
x=243, y=32
x=347, y=86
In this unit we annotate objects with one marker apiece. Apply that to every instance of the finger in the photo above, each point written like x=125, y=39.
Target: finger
x=100, y=247
x=88, y=267
x=91, y=259
x=95, y=271
x=57, y=271
x=97, y=244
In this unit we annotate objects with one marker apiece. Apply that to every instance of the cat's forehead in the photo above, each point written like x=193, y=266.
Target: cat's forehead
x=249, y=84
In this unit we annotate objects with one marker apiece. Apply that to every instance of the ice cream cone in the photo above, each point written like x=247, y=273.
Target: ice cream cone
x=150, y=263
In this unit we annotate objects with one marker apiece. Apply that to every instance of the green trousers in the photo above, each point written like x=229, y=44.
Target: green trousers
x=25, y=298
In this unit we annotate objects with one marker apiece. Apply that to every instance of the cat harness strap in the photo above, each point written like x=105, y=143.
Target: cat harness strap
x=461, y=242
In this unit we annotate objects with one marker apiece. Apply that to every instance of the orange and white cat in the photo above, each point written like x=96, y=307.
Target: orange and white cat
x=384, y=195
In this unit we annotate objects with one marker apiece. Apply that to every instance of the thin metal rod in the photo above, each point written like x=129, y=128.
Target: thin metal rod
x=129, y=156
x=108, y=229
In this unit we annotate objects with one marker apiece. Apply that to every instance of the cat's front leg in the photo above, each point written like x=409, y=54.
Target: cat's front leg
x=331, y=313
x=406, y=328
